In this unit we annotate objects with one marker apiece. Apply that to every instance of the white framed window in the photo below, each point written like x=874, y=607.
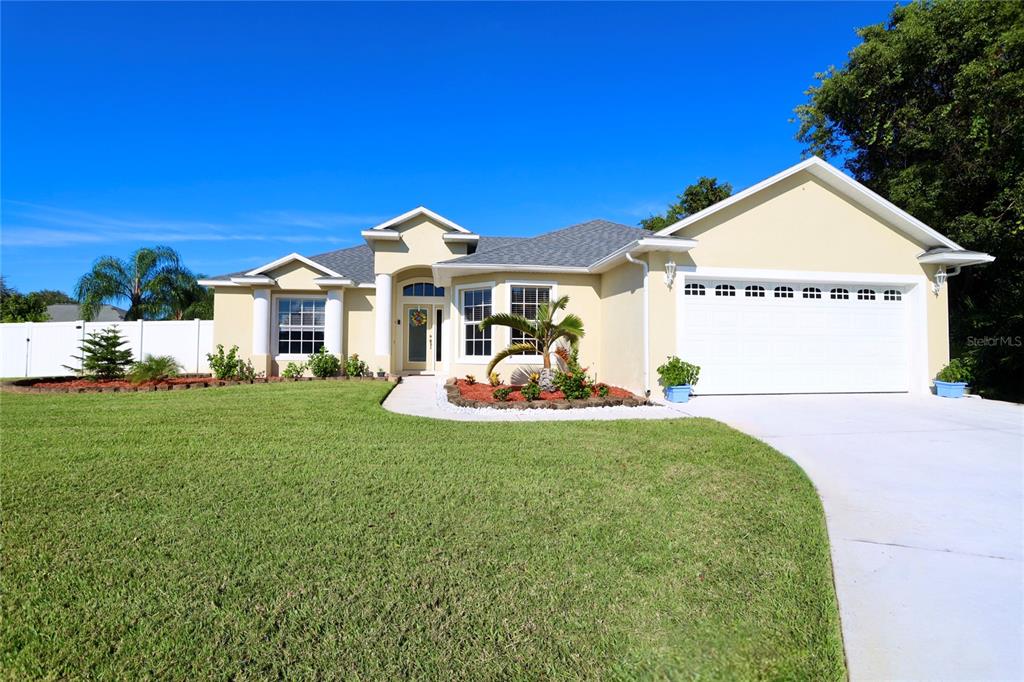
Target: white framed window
x=423, y=289
x=839, y=294
x=812, y=292
x=725, y=290
x=300, y=325
x=892, y=295
x=865, y=295
x=475, y=305
x=783, y=292
x=754, y=291
x=693, y=289
x=525, y=300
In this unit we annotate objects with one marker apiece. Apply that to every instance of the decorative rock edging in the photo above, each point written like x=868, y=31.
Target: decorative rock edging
x=27, y=385
x=455, y=398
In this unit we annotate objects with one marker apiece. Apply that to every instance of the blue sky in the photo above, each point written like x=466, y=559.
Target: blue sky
x=237, y=133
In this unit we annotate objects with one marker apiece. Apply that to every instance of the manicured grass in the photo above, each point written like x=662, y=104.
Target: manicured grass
x=299, y=530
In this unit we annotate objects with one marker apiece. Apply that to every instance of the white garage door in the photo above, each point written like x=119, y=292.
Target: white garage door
x=795, y=337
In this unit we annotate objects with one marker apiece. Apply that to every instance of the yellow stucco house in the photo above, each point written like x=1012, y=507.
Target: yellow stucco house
x=805, y=282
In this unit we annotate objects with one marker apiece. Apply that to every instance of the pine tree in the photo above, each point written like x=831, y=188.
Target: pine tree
x=103, y=357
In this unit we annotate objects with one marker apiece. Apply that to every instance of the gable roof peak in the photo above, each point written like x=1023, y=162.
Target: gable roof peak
x=417, y=212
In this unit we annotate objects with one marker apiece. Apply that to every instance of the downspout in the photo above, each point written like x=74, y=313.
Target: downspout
x=647, y=327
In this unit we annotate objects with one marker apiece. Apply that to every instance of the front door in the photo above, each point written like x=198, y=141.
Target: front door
x=419, y=338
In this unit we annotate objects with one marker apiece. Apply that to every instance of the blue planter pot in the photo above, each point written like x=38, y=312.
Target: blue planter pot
x=950, y=389
x=678, y=394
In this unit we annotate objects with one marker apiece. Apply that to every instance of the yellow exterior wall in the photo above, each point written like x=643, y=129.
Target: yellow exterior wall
x=801, y=224
x=232, y=319
x=622, y=327
x=421, y=245
x=584, y=292
x=357, y=334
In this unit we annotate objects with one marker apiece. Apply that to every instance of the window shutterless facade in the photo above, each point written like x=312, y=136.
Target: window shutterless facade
x=476, y=305
x=525, y=301
x=300, y=325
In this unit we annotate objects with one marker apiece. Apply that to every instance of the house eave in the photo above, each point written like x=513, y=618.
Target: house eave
x=960, y=257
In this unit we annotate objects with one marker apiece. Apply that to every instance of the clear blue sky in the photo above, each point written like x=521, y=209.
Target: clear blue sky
x=237, y=133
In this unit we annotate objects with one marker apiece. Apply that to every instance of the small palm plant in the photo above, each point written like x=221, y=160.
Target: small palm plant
x=545, y=332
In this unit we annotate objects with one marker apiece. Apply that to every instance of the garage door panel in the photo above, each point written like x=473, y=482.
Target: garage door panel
x=795, y=345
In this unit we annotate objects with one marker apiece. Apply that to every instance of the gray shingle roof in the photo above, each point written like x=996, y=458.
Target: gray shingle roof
x=579, y=245
x=71, y=312
x=575, y=246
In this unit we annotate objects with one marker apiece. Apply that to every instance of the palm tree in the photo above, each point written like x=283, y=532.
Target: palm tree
x=545, y=332
x=188, y=300
x=145, y=280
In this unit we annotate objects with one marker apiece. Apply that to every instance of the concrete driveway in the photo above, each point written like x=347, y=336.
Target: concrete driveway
x=923, y=499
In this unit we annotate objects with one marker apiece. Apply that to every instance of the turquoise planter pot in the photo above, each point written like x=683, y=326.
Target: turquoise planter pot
x=950, y=389
x=678, y=394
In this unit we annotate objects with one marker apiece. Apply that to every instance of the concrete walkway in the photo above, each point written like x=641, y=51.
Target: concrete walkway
x=924, y=505
x=424, y=396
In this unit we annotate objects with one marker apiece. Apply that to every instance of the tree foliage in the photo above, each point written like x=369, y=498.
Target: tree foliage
x=103, y=356
x=18, y=307
x=696, y=197
x=929, y=113
x=152, y=280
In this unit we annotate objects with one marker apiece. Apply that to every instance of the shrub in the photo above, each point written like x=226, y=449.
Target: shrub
x=534, y=378
x=324, y=364
x=675, y=372
x=502, y=394
x=224, y=365
x=494, y=379
x=959, y=370
x=354, y=367
x=470, y=379
x=102, y=356
x=531, y=391
x=154, y=369
x=294, y=370
x=601, y=390
x=573, y=385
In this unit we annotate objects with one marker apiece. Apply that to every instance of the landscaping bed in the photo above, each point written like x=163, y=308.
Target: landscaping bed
x=464, y=394
x=181, y=382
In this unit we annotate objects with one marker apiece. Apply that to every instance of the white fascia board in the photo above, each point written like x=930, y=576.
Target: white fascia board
x=381, y=235
x=962, y=257
x=332, y=282
x=838, y=181
x=460, y=237
x=644, y=245
x=216, y=283
x=288, y=259
x=253, y=279
x=420, y=211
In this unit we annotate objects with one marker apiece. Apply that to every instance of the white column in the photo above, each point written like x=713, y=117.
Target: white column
x=382, y=298
x=333, y=320
x=261, y=321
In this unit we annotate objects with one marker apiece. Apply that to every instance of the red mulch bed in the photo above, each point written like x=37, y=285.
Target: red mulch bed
x=484, y=392
x=86, y=383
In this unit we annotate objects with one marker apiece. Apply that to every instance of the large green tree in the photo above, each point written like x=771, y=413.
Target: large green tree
x=18, y=307
x=149, y=280
x=695, y=197
x=929, y=113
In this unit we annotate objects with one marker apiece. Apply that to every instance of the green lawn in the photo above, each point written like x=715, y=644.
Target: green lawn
x=299, y=530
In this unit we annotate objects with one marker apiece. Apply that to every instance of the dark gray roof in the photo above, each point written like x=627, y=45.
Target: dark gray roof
x=576, y=246
x=355, y=262
x=70, y=312
x=579, y=245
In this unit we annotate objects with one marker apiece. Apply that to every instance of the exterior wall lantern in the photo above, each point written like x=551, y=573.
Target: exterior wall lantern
x=670, y=273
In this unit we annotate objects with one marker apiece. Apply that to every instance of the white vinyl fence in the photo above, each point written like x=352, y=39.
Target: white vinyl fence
x=39, y=349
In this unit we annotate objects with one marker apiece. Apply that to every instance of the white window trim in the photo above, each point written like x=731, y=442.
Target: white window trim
x=460, y=356
x=412, y=298
x=275, y=316
x=553, y=295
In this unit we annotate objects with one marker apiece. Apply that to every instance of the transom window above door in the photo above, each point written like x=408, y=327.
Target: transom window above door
x=525, y=301
x=423, y=289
